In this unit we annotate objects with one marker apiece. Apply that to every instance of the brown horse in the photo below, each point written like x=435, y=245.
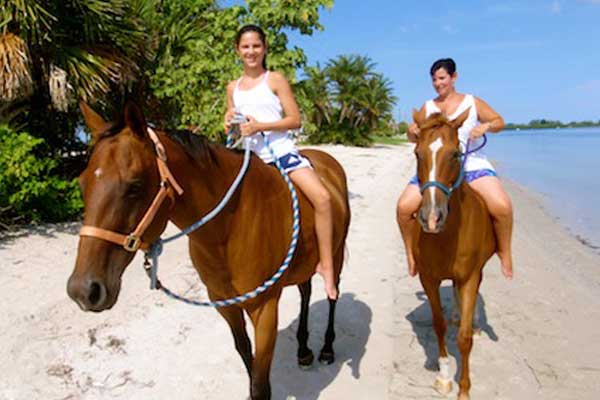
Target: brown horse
x=234, y=253
x=449, y=245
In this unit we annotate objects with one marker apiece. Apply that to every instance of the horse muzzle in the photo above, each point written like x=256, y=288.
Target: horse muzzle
x=432, y=219
x=90, y=294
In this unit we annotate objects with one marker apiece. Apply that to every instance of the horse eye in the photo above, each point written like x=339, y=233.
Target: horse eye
x=134, y=188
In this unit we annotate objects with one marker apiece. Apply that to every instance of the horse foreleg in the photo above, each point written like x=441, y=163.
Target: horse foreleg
x=455, y=318
x=468, y=300
x=235, y=318
x=264, y=319
x=305, y=354
x=443, y=382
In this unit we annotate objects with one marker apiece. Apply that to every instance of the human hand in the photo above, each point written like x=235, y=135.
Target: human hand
x=250, y=127
x=479, y=130
x=413, y=132
x=227, y=120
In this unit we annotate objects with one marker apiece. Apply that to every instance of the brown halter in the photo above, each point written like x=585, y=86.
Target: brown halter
x=133, y=241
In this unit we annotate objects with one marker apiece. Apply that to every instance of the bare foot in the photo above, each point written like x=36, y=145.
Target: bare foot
x=412, y=266
x=330, y=287
x=506, y=265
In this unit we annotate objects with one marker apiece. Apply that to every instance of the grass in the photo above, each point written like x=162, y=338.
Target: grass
x=391, y=140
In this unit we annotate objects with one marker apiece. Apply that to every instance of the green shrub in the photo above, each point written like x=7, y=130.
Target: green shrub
x=29, y=192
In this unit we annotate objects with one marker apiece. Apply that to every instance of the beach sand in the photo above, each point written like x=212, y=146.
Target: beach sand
x=539, y=340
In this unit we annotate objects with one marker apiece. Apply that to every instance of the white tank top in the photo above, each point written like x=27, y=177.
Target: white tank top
x=476, y=160
x=261, y=103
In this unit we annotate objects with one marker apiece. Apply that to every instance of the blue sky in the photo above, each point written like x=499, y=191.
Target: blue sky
x=529, y=59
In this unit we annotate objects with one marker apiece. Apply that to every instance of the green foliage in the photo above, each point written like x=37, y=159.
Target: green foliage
x=190, y=77
x=29, y=191
x=346, y=102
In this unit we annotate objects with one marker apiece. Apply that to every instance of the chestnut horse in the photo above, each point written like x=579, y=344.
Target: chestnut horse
x=454, y=237
x=234, y=253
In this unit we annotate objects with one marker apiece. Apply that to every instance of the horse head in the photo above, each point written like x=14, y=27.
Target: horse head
x=438, y=167
x=118, y=186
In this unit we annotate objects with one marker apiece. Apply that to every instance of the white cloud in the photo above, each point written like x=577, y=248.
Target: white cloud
x=449, y=29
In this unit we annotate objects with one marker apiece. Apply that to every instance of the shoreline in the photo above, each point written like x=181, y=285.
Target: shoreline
x=542, y=201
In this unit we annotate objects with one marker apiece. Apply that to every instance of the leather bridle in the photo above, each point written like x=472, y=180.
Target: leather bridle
x=133, y=241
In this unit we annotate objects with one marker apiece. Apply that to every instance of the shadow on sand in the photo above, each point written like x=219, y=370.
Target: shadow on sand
x=421, y=321
x=7, y=238
x=352, y=327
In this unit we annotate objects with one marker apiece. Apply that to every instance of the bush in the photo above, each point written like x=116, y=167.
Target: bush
x=29, y=191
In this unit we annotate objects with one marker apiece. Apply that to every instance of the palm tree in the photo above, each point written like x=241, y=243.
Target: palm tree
x=315, y=88
x=54, y=52
x=348, y=75
x=376, y=101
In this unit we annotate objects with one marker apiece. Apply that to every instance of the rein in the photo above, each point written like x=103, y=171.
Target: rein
x=461, y=174
x=168, y=184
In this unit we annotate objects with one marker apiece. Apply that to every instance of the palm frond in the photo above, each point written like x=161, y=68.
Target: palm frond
x=15, y=72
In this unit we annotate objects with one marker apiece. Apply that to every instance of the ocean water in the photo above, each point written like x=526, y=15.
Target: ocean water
x=561, y=164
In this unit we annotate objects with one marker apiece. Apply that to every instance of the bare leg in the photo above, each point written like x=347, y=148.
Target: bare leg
x=408, y=204
x=310, y=184
x=500, y=207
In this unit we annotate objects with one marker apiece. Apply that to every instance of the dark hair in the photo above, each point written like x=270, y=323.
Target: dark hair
x=261, y=34
x=447, y=63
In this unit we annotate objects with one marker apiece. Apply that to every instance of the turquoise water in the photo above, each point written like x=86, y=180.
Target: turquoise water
x=563, y=165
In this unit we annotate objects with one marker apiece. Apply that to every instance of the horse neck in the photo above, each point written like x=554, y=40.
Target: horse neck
x=203, y=182
x=464, y=202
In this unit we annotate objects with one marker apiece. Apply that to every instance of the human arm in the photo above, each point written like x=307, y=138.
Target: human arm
x=291, y=115
x=230, y=111
x=489, y=119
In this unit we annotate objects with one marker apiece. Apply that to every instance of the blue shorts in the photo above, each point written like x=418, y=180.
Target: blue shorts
x=293, y=161
x=470, y=176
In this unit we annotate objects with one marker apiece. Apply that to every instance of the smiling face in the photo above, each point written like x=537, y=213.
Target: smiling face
x=251, y=49
x=443, y=82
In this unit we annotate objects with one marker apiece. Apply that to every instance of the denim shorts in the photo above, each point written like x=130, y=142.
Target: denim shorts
x=470, y=176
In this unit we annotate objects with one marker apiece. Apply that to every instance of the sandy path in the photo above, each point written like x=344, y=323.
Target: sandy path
x=540, y=337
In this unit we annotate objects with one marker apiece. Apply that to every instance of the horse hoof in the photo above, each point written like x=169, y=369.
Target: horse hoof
x=306, y=362
x=463, y=396
x=443, y=386
x=326, y=358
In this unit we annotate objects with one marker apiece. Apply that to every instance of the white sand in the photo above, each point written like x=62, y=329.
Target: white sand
x=540, y=341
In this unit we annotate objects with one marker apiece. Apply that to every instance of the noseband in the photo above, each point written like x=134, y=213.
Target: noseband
x=133, y=241
x=461, y=174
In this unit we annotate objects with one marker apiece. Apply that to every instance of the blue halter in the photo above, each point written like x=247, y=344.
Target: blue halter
x=461, y=174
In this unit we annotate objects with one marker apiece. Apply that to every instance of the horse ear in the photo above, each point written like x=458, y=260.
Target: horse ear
x=417, y=117
x=134, y=118
x=457, y=123
x=93, y=120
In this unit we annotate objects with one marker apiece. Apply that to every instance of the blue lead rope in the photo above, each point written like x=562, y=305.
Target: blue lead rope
x=156, y=248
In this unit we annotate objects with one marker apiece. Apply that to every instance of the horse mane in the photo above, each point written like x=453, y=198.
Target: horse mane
x=195, y=145
x=435, y=120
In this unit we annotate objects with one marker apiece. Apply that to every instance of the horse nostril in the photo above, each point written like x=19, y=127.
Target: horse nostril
x=96, y=293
